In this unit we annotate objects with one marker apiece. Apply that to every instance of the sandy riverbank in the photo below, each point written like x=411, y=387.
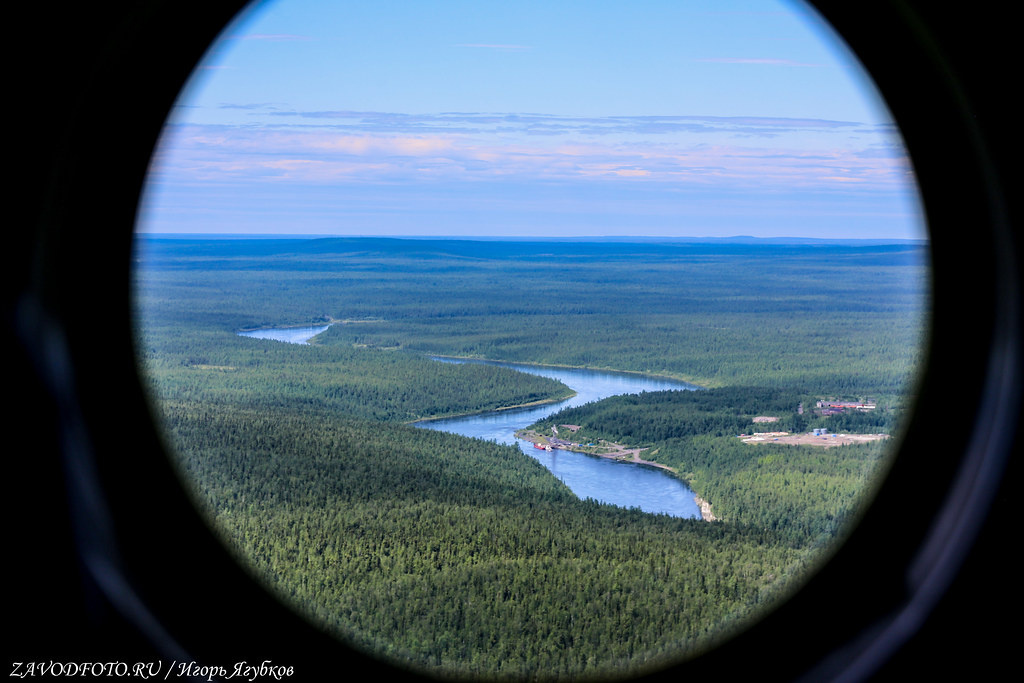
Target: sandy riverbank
x=613, y=451
x=705, y=509
x=603, y=449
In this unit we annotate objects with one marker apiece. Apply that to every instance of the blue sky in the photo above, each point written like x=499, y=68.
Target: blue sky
x=644, y=118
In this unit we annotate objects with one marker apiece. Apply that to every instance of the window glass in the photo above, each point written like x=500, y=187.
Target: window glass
x=531, y=339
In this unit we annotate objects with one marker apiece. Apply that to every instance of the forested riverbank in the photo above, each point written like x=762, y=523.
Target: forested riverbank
x=802, y=492
x=459, y=556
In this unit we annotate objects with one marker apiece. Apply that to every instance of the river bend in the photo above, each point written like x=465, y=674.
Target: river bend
x=624, y=484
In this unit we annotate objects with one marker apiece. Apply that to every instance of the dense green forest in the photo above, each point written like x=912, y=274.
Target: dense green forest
x=468, y=558
x=375, y=385
x=835, y=320
x=804, y=494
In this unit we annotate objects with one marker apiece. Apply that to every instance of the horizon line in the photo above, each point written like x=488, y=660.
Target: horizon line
x=538, y=238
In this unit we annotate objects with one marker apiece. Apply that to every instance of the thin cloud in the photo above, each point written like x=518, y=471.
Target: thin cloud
x=495, y=46
x=553, y=125
x=206, y=153
x=757, y=61
x=256, y=106
x=275, y=37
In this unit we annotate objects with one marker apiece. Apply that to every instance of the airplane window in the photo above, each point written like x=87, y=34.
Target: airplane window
x=531, y=341
x=475, y=207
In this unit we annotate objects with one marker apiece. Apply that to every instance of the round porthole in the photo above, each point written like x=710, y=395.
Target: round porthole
x=148, y=568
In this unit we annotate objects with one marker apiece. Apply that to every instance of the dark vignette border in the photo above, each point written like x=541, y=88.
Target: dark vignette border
x=111, y=563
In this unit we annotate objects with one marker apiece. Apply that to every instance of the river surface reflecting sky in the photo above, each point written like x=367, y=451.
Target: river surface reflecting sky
x=623, y=484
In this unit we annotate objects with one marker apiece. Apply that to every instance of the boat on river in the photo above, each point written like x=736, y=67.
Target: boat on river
x=542, y=447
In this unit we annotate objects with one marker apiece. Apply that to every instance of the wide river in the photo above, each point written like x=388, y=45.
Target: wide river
x=624, y=484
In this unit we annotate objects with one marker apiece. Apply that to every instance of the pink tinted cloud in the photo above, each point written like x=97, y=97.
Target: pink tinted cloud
x=319, y=155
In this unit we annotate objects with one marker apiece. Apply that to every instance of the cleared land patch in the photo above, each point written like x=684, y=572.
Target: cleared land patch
x=810, y=439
